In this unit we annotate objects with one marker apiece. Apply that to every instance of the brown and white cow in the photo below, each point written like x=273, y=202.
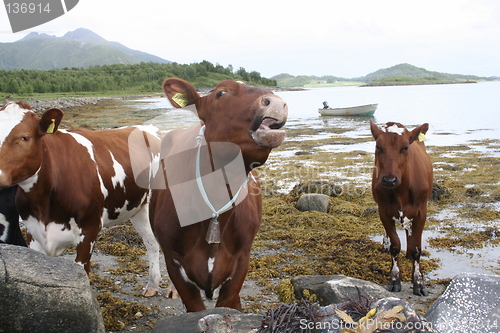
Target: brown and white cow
x=401, y=185
x=241, y=125
x=73, y=182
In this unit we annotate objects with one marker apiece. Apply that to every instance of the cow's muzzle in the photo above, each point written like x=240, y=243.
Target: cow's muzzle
x=390, y=182
x=271, y=115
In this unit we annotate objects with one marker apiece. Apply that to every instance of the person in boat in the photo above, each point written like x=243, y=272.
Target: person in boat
x=325, y=105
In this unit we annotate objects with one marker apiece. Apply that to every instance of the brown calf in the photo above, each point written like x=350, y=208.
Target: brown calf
x=206, y=247
x=72, y=183
x=401, y=185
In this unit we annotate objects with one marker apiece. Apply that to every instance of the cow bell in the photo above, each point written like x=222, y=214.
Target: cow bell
x=213, y=233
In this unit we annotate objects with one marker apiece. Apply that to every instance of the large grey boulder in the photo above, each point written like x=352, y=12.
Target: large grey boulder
x=313, y=201
x=333, y=289
x=43, y=294
x=471, y=303
x=218, y=320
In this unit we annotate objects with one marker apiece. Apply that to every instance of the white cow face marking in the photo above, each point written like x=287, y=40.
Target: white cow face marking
x=10, y=117
x=393, y=129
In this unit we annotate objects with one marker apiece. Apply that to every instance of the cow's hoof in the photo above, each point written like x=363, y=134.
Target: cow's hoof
x=394, y=287
x=149, y=292
x=172, y=293
x=420, y=290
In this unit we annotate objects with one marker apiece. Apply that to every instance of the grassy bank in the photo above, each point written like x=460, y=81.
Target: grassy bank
x=56, y=95
x=334, y=84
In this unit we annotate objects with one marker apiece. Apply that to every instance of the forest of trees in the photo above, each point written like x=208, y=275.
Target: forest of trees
x=144, y=77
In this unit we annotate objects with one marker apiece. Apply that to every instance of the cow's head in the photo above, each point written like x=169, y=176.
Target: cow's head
x=21, y=129
x=393, y=144
x=251, y=117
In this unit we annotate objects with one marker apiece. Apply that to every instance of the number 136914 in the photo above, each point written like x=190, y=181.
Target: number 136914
x=25, y=8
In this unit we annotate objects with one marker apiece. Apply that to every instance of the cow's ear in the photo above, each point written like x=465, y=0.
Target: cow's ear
x=180, y=93
x=375, y=129
x=49, y=123
x=419, y=133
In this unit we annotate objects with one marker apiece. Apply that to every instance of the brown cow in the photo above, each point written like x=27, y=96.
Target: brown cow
x=401, y=185
x=72, y=183
x=241, y=125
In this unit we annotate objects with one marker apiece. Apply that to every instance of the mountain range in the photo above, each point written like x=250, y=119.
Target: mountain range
x=83, y=48
x=79, y=48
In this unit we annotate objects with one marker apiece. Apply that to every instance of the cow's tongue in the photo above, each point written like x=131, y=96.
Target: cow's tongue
x=268, y=133
x=267, y=123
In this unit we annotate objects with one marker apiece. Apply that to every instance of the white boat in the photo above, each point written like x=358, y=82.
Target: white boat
x=362, y=110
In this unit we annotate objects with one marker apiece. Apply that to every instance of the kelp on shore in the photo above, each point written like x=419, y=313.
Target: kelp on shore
x=464, y=214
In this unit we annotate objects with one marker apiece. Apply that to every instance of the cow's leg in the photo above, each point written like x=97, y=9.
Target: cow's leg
x=143, y=227
x=386, y=243
x=85, y=247
x=187, y=289
x=413, y=253
x=394, y=249
x=229, y=293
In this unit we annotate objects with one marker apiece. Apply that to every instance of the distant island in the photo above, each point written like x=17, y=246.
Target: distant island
x=407, y=81
x=402, y=74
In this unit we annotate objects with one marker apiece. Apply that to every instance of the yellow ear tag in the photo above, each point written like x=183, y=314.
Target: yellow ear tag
x=421, y=137
x=180, y=99
x=51, y=127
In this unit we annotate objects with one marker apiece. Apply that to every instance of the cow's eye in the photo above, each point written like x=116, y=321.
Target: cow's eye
x=378, y=149
x=220, y=93
x=405, y=149
x=25, y=138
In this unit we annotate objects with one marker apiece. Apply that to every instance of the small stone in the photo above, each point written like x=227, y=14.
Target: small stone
x=313, y=202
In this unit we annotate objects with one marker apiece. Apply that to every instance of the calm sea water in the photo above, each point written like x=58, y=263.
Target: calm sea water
x=456, y=113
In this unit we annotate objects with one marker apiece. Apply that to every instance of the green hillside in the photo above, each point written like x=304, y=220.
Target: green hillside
x=120, y=78
x=44, y=54
x=395, y=75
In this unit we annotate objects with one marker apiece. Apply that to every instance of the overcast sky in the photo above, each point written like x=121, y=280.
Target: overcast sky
x=346, y=38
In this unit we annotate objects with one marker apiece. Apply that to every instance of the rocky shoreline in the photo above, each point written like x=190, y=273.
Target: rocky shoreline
x=74, y=102
x=62, y=102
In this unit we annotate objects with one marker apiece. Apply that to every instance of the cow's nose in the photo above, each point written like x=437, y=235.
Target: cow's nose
x=389, y=181
x=274, y=107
